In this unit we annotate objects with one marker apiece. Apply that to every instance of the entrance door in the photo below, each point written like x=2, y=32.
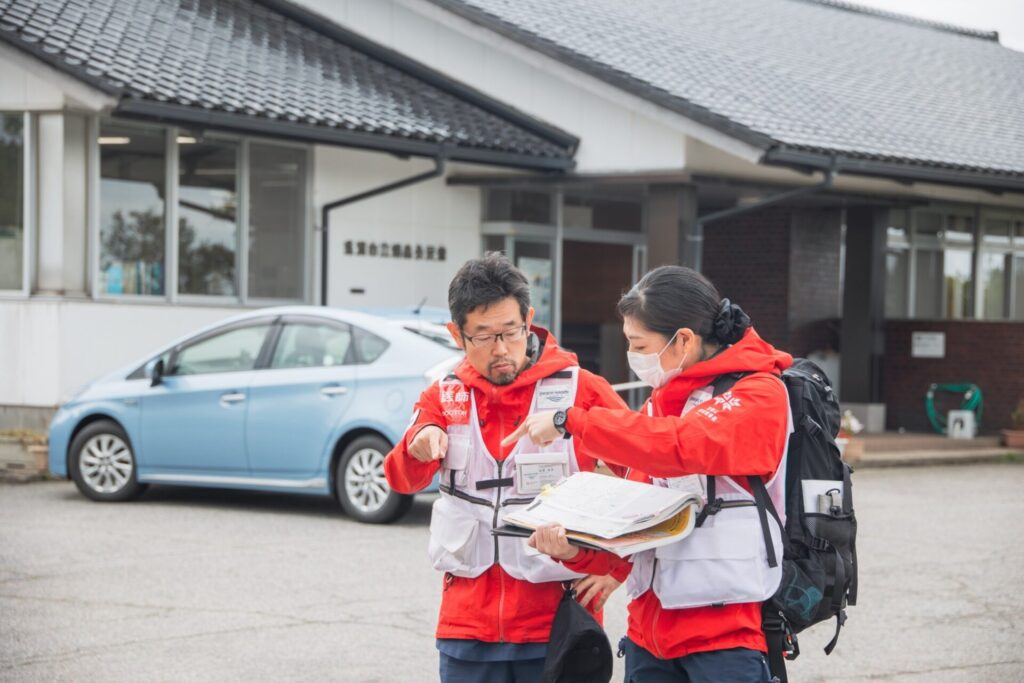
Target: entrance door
x=594, y=276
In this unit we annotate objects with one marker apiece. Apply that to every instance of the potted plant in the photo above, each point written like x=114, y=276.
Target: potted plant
x=1014, y=437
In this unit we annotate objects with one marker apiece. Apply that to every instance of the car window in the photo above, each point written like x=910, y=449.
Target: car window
x=309, y=345
x=368, y=345
x=231, y=351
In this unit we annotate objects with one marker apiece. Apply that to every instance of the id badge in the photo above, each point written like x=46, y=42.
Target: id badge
x=691, y=483
x=534, y=471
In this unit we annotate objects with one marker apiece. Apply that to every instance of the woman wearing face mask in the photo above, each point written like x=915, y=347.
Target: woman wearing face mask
x=695, y=613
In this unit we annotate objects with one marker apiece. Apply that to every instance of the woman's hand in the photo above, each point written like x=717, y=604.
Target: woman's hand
x=540, y=427
x=550, y=540
x=595, y=588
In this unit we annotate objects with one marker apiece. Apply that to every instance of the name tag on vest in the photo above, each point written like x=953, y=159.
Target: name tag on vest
x=534, y=471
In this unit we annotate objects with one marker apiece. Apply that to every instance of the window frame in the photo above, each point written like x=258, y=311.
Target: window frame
x=262, y=357
x=1011, y=252
x=978, y=248
x=171, y=215
x=29, y=225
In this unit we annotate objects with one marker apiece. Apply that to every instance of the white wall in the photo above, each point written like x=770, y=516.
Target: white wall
x=428, y=213
x=27, y=84
x=49, y=348
x=618, y=132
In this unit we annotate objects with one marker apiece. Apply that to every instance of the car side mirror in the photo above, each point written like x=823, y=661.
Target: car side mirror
x=155, y=371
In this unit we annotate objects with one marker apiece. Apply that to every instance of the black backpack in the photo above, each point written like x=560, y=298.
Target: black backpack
x=819, y=567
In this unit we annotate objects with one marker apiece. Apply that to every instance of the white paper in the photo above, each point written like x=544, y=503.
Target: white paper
x=812, y=488
x=601, y=505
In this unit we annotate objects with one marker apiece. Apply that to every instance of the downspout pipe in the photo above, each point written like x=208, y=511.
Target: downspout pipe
x=325, y=211
x=825, y=184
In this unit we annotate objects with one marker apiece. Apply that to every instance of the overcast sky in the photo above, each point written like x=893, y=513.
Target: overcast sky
x=1005, y=16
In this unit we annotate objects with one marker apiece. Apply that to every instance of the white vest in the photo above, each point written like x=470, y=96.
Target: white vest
x=461, y=542
x=725, y=560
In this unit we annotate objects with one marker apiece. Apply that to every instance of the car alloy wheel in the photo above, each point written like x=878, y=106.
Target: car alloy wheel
x=106, y=463
x=361, y=485
x=102, y=464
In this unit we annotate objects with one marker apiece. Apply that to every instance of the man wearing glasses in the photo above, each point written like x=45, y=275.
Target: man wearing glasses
x=498, y=596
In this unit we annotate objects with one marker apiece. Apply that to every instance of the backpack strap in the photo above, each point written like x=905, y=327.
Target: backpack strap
x=714, y=504
x=764, y=505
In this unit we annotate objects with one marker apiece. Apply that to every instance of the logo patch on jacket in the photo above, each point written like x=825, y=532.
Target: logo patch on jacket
x=455, y=403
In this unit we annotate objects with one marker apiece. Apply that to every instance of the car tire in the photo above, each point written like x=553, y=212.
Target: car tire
x=102, y=463
x=360, y=485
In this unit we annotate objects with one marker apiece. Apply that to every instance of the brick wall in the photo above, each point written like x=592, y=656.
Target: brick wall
x=989, y=354
x=747, y=259
x=782, y=267
x=814, y=296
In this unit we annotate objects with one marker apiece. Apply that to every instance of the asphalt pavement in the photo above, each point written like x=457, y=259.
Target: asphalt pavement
x=203, y=585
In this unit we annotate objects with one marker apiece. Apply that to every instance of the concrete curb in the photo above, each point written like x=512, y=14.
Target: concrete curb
x=937, y=457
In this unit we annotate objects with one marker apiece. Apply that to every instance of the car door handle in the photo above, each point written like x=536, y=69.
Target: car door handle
x=333, y=390
x=232, y=397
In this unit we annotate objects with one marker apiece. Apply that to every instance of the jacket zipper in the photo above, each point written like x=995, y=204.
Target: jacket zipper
x=501, y=572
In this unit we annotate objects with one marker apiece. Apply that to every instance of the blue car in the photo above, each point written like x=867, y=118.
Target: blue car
x=297, y=399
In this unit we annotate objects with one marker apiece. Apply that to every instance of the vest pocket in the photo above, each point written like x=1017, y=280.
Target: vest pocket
x=453, y=535
x=724, y=562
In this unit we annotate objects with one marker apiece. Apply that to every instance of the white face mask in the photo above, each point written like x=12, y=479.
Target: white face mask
x=647, y=366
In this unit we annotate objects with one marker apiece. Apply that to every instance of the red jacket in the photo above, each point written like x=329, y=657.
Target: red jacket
x=747, y=440
x=494, y=607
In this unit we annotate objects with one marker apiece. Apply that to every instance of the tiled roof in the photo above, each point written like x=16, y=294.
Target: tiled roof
x=269, y=66
x=797, y=77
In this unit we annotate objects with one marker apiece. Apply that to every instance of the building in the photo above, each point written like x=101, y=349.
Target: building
x=850, y=177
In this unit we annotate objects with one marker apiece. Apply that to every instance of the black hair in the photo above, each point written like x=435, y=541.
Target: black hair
x=672, y=297
x=485, y=281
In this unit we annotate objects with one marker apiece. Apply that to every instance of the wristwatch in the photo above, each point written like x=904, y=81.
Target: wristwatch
x=559, y=419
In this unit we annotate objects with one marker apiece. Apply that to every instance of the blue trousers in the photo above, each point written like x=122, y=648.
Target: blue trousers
x=738, y=665
x=515, y=671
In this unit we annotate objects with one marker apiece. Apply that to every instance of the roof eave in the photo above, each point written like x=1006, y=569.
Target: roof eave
x=782, y=155
x=309, y=133
x=420, y=71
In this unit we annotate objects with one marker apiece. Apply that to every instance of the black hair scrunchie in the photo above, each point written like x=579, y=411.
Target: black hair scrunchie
x=730, y=323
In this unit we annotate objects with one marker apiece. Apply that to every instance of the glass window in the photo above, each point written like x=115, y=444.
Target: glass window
x=308, y=345
x=231, y=351
x=956, y=267
x=928, y=223
x=519, y=205
x=997, y=231
x=207, y=212
x=132, y=211
x=494, y=243
x=928, y=284
x=1018, y=288
x=993, y=282
x=602, y=214
x=959, y=229
x=536, y=261
x=277, y=221
x=369, y=346
x=12, y=193
x=896, y=261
